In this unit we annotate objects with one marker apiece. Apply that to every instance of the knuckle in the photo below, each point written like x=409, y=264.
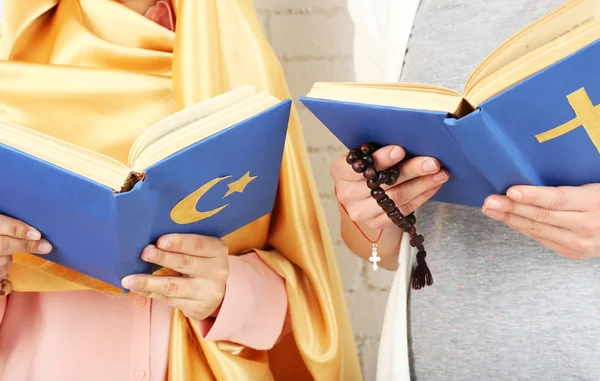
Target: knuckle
x=407, y=208
x=198, y=243
x=592, y=228
x=171, y=287
x=222, y=275
x=185, y=262
x=18, y=229
x=558, y=201
x=583, y=246
x=400, y=196
x=535, y=229
x=355, y=214
x=541, y=214
x=5, y=261
x=4, y=245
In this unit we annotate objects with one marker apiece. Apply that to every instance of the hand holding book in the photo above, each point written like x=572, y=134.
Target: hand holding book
x=203, y=267
x=17, y=237
x=564, y=219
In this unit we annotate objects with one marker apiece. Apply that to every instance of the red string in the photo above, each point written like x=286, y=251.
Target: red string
x=355, y=224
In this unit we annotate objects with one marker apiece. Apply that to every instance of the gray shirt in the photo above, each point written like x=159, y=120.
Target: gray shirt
x=502, y=307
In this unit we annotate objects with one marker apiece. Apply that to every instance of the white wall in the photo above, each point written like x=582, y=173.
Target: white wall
x=314, y=39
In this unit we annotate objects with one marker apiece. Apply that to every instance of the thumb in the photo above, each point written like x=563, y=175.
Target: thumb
x=388, y=156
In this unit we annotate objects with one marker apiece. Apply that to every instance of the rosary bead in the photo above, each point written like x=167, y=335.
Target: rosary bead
x=368, y=159
x=412, y=231
x=383, y=199
x=352, y=156
x=411, y=218
x=378, y=193
x=372, y=184
x=393, y=179
x=359, y=166
x=394, y=213
x=382, y=177
x=385, y=203
x=417, y=240
x=398, y=219
x=370, y=173
x=406, y=225
x=369, y=147
x=390, y=208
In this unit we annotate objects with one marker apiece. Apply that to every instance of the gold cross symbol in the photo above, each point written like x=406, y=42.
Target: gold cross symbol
x=587, y=116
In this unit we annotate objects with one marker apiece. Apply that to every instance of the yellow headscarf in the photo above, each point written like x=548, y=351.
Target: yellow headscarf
x=96, y=73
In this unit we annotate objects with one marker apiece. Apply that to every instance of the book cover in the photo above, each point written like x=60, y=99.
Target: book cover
x=543, y=130
x=212, y=187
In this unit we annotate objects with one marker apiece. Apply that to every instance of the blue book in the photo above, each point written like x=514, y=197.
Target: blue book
x=209, y=169
x=530, y=112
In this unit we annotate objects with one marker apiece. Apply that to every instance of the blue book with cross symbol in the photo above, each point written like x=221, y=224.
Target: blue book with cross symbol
x=530, y=113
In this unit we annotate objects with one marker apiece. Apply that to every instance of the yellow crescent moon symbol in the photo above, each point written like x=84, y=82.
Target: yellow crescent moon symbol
x=185, y=211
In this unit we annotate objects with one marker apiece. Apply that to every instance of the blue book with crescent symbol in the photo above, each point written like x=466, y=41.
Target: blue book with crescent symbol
x=530, y=113
x=208, y=169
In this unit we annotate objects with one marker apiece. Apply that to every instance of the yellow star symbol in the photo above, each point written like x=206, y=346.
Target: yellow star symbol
x=239, y=185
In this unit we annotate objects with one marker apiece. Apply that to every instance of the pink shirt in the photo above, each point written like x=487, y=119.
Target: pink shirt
x=88, y=335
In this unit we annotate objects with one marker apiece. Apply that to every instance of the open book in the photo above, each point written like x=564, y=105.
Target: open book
x=209, y=169
x=524, y=109
x=168, y=136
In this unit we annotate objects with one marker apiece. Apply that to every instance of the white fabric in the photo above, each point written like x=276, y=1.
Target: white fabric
x=381, y=32
x=392, y=362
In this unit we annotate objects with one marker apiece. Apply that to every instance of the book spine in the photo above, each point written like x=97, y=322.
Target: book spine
x=498, y=159
x=134, y=218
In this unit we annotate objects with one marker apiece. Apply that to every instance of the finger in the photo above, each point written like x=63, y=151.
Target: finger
x=364, y=210
x=417, y=167
x=536, y=230
x=169, y=286
x=553, y=198
x=403, y=194
x=184, y=263
x=384, y=158
x=18, y=229
x=10, y=246
x=565, y=219
x=5, y=262
x=193, y=244
x=193, y=309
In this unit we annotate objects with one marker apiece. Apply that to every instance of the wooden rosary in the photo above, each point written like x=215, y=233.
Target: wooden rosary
x=361, y=160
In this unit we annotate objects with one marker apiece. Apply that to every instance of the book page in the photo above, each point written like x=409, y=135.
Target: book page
x=179, y=120
x=84, y=162
x=568, y=18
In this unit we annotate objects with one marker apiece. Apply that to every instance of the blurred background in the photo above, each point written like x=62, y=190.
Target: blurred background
x=314, y=41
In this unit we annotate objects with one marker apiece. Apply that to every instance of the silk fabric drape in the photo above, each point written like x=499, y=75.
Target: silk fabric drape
x=96, y=73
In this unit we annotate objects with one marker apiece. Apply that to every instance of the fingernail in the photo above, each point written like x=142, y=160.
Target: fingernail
x=493, y=204
x=439, y=177
x=396, y=153
x=430, y=166
x=164, y=243
x=129, y=282
x=33, y=235
x=515, y=194
x=44, y=247
x=150, y=253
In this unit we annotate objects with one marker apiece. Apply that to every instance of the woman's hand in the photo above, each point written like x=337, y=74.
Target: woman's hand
x=564, y=219
x=204, y=265
x=17, y=237
x=420, y=178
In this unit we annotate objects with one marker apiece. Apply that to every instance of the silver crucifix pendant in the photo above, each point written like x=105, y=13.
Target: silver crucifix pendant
x=374, y=257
